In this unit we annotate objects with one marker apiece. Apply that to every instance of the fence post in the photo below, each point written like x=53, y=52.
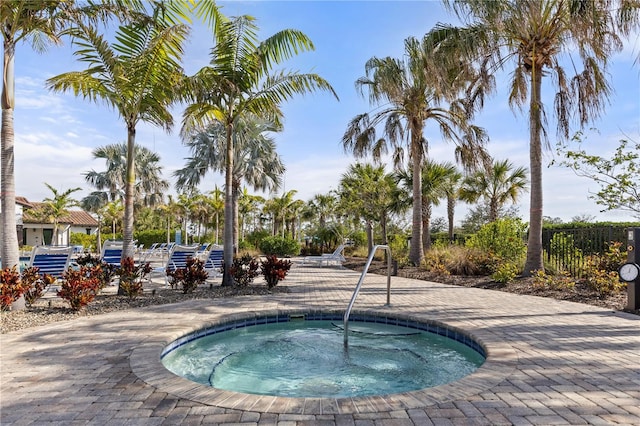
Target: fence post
x=633, y=256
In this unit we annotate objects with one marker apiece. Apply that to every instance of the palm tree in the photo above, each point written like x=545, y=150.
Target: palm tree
x=256, y=161
x=370, y=194
x=217, y=205
x=37, y=22
x=280, y=208
x=435, y=184
x=240, y=81
x=112, y=212
x=499, y=184
x=532, y=36
x=149, y=187
x=248, y=206
x=136, y=75
x=55, y=208
x=452, y=190
x=410, y=97
x=324, y=205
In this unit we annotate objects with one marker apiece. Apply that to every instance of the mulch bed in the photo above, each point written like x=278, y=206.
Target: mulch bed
x=580, y=293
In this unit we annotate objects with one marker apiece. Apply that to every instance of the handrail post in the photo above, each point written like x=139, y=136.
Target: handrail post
x=357, y=289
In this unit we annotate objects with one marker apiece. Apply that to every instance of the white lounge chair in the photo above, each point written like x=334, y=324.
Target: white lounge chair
x=112, y=252
x=51, y=260
x=327, y=258
x=213, y=264
x=177, y=259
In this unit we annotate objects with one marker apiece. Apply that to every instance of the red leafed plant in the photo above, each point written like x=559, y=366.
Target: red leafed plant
x=35, y=284
x=11, y=287
x=189, y=277
x=80, y=287
x=131, y=277
x=274, y=269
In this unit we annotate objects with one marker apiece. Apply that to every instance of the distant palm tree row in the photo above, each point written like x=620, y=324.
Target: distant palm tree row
x=367, y=195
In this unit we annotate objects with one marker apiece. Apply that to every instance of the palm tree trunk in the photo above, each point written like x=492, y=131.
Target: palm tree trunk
x=534, y=245
x=227, y=280
x=369, y=231
x=426, y=225
x=451, y=206
x=236, y=210
x=127, y=226
x=416, y=252
x=9, y=253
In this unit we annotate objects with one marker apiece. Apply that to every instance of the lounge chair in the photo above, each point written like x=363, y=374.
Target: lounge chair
x=177, y=259
x=327, y=258
x=151, y=251
x=51, y=260
x=213, y=264
x=112, y=252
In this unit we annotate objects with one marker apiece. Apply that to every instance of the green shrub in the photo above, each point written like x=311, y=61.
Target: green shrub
x=279, y=246
x=505, y=273
x=151, y=236
x=600, y=271
x=89, y=242
x=559, y=281
x=399, y=248
x=612, y=259
x=459, y=260
x=563, y=250
x=502, y=238
x=253, y=239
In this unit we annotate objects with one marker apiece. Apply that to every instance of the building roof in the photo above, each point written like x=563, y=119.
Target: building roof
x=24, y=202
x=75, y=217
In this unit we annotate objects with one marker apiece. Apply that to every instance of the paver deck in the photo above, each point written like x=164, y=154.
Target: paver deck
x=549, y=362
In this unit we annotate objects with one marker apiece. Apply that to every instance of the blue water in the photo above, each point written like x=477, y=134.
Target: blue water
x=24, y=262
x=308, y=359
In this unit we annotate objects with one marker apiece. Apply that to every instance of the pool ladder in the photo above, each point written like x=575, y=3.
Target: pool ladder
x=357, y=290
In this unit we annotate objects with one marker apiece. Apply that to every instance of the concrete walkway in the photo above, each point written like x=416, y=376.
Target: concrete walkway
x=549, y=362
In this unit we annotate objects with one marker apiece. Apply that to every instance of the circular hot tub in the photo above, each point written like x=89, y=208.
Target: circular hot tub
x=305, y=356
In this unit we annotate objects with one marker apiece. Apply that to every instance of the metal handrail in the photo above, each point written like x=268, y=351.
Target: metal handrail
x=357, y=290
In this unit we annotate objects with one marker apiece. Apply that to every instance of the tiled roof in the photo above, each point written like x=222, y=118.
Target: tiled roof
x=75, y=217
x=24, y=202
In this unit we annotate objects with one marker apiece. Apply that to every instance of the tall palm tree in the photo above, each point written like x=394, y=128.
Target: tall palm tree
x=452, y=190
x=248, y=207
x=56, y=207
x=256, y=160
x=149, y=187
x=410, y=97
x=39, y=23
x=239, y=81
x=499, y=184
x=324, y=205
x=435, y=184
x=136, y=75
x=280, y=208
x=370, y=194
x=530, y=37
x=217, y=205
x=112, y=212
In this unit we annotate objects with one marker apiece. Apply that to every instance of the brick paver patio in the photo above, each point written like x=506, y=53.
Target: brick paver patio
x=549, y=362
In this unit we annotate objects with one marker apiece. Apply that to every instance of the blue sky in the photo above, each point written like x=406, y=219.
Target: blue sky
x=56, y=133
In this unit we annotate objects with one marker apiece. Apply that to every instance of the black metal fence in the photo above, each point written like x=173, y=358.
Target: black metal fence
x=567, y=249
